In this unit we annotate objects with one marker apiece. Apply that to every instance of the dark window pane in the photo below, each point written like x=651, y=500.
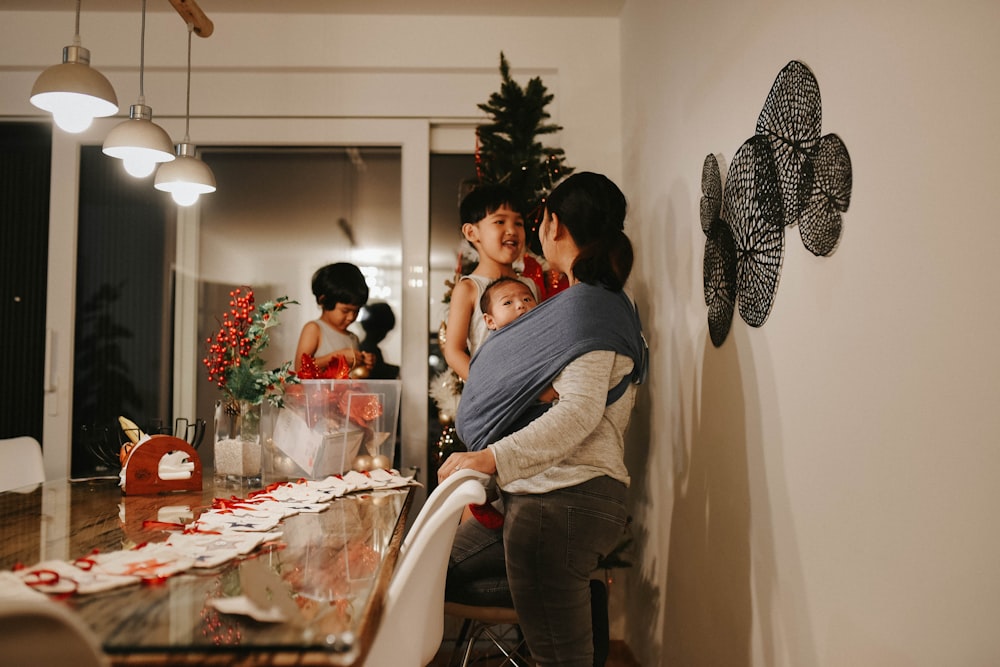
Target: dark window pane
x=25, y=160
x=122, y=363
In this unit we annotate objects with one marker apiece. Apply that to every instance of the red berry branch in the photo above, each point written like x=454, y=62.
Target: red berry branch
x=233, y=359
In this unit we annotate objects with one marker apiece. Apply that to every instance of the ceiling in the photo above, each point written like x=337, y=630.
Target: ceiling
x=565, y=8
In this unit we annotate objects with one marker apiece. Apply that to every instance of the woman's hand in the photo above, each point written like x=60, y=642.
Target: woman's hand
x=483, y=461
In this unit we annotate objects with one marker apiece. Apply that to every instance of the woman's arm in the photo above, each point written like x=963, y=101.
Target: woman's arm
x=460, y=311
x=550, y=439
x=583, y=393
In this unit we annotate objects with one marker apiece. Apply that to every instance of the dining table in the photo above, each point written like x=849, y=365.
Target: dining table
x=330, y=569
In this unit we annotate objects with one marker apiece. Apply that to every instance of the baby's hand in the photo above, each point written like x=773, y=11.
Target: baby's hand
x=549, y=395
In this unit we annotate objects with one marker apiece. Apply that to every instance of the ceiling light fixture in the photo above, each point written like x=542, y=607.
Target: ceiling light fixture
x=138, y=141
x=72, y=91
x=187, y=177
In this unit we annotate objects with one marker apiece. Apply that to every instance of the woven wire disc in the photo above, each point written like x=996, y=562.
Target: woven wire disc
x=791, y=119
x=752, y=205
x=719, y=265
x=720, y=281
x=822, y=221
x=711, y=193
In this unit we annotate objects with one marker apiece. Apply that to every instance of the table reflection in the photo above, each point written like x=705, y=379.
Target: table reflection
x=327, y=573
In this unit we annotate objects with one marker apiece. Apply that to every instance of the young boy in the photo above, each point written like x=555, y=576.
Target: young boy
x=493, y=225
x=340, y=291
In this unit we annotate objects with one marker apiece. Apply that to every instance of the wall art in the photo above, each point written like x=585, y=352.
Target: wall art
x=787, y=174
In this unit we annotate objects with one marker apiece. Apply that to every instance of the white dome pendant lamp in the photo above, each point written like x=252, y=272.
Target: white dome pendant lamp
x=187, y=177
x=138, y=141
x=73, y=92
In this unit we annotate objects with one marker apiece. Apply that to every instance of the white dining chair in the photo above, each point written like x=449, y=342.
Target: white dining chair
x=412, y=624
x=45, y=632
x=20, y=463
x=440, y=493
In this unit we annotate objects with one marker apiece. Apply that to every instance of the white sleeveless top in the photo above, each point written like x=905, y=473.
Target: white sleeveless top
x=331, y=340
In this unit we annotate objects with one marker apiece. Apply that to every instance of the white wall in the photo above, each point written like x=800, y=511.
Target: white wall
x=821, y=490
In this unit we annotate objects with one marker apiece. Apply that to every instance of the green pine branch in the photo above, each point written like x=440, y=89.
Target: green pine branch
x=510, y=152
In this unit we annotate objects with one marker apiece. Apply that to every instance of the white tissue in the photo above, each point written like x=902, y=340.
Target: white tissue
x=175, y=465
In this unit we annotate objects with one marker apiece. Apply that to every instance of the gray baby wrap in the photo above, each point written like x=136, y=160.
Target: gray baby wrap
x=516, y=363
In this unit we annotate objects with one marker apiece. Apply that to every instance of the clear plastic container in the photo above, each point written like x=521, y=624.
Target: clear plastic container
x=325, y=425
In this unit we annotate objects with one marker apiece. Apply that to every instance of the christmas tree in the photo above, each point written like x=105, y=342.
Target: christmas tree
x=509, y=151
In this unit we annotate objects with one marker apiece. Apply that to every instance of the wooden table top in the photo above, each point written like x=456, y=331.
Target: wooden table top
x=337, y=564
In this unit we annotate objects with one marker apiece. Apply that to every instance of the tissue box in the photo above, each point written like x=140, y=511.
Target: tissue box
x=325, y=424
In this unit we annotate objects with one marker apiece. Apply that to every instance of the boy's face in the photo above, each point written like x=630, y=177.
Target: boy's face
x=500, y=235
x=508, y=301
x=341, y=317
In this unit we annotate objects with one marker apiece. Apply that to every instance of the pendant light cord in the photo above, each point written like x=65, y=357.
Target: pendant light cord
x=187, y=108
x=142, y=55
x=76, y=33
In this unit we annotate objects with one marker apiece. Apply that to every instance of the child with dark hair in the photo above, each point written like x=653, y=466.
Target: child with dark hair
x=492, y=224
x=340, y=290
x=505, y=300
x=377, y=319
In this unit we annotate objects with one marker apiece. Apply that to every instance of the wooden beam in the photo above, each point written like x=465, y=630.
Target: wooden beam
x=191, y=13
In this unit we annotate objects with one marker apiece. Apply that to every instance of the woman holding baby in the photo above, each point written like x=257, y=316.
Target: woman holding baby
x=560, y=466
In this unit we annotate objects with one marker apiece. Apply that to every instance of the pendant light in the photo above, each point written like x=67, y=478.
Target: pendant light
x=73, y=91
x=187, y=177
x=138, y=141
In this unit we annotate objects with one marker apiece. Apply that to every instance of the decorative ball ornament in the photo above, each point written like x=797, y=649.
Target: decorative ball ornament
x=362, y=463
x=359, y=373
x=381, y=462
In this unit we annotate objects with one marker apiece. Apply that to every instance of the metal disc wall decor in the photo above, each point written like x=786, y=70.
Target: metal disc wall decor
x=720, y=255
x=822, y=222
x=751, y=204
x=791, y=121
x=787, y=174
x=711, y=193
x=720, y=281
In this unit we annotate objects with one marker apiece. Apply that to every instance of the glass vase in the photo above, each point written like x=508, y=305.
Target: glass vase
x=237, y=447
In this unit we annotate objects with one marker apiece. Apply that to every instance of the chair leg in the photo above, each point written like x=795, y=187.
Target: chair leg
x=599, y=621
x=473, y=636
x=462, y=634
x=511, y=656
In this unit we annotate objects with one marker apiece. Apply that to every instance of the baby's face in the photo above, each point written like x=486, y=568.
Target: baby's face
x=507, y=303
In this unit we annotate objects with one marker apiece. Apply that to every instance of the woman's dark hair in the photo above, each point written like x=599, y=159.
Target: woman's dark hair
x=485, y=199
x=339, y=283
x=592, y=208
